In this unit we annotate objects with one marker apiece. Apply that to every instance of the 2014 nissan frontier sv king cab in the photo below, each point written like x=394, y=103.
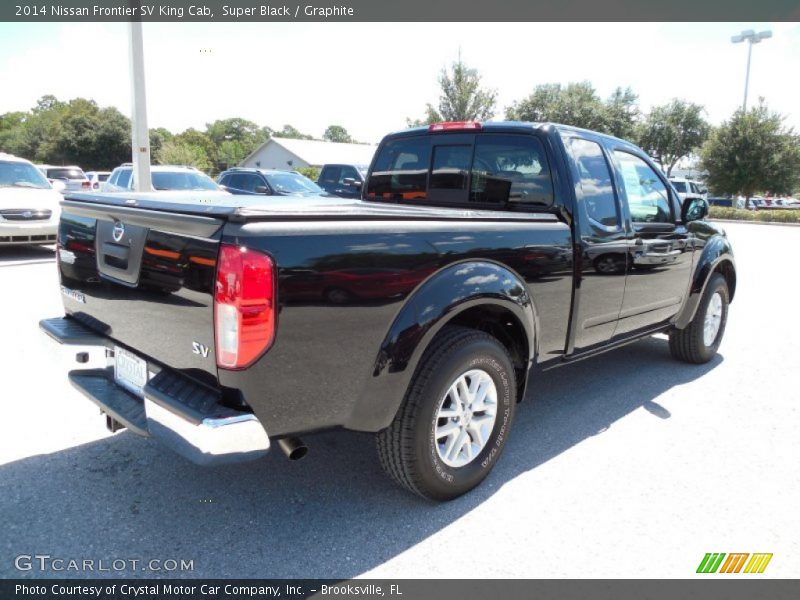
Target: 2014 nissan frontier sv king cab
x=477, y=256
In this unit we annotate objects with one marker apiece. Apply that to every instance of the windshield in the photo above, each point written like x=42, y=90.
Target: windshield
x=65, y=173
x=19, y=174
x=182, y=180
x=291, y=183
x=680, y=186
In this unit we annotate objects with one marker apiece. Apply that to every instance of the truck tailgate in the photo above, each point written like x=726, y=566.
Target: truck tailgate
x=144, y=278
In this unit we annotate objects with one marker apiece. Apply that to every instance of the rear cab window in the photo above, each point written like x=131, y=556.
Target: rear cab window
x=507, y=171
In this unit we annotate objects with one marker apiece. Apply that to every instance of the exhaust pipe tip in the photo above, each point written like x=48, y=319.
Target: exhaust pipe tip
x=293, y=448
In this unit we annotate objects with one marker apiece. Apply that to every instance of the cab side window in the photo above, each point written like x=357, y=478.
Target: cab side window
x=510, y=168
x=648, y=198
x=401, y=170
x=595, y=182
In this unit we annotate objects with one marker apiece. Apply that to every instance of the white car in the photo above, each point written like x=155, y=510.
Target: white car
x=164, y=177
x=29, y=205
x=97, y=178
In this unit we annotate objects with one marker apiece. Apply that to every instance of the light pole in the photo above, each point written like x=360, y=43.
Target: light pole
x=752, y=37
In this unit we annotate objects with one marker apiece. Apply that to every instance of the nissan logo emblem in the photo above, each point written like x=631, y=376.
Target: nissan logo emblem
x=118, y=232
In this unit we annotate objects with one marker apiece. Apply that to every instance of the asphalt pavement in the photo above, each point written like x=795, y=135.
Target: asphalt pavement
x=626, y=465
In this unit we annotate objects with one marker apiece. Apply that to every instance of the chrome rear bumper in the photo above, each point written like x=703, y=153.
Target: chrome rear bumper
x=234, y=438
x=183, y=415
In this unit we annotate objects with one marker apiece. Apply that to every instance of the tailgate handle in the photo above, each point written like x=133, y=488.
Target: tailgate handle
x=115, y=250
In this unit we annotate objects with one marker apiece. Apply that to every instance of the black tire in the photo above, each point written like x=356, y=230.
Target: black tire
x=407, y=448
x=688, y=344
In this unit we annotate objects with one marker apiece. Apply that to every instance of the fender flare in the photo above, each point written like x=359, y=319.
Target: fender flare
x=435, y=303
x=717, y=251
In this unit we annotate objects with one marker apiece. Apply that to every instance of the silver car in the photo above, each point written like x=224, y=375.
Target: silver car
x=97, y=178
x=163, y=177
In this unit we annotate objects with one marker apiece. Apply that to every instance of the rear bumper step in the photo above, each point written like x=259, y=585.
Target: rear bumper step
x=99, y=387
x=71, y=332
x=183, y=415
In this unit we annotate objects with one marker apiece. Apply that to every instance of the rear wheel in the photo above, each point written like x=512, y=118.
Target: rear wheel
x=455, y=418
x=700, y=340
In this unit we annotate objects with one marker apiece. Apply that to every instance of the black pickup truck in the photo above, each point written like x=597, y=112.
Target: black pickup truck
x=477, y=255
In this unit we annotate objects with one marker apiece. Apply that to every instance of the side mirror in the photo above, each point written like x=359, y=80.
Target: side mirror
x=58, y=185
x=693, y=209
x=261, y=189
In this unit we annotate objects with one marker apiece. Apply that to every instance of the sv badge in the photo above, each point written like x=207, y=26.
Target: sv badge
x=200, y=349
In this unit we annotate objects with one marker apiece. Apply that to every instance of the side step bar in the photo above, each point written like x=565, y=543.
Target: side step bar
x=183, y=415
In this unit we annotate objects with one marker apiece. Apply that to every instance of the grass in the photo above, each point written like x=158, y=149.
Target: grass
x=758, y=216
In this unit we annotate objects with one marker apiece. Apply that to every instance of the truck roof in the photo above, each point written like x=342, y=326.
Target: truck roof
x=517, y=127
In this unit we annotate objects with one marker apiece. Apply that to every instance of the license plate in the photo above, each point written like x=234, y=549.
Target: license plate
x=130, y=371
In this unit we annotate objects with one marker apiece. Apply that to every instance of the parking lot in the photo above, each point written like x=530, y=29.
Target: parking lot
x=627, y=465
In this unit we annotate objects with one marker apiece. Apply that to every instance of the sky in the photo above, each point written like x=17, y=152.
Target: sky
x=369, y=77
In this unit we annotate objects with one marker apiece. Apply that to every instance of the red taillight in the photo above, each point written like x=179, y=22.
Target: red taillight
x=244, y=306
x=86, y=184
x=454, y=125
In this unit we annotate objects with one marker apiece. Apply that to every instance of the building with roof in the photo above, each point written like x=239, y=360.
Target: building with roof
x=287, y=154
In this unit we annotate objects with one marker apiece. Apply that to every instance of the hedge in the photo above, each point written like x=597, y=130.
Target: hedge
x=786, y=215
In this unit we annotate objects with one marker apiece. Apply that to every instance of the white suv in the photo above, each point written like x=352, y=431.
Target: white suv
x=29, y=206
x=689, y=187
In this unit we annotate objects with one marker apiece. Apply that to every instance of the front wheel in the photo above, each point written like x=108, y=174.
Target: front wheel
x=455, y=418
x=700, y=340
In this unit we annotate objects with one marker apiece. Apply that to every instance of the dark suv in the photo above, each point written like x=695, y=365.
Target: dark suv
x=268, y=182
x=344, y=181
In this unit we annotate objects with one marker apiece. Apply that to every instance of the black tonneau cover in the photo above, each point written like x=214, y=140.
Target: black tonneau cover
x=278, y=208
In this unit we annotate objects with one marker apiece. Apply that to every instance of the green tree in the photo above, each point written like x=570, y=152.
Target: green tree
x=337, y=133
x=311, y=172
x=158, y=136
x=42, y=125
x=462, y=97
x=579, y=105
x=237, y=130
x=175, y=152
x=289, y=131
x=193, y=137
x=673, y=131
x=622, y=113
x=84, y=134
x=752, y=152
x=11, y=131
x=233, y=139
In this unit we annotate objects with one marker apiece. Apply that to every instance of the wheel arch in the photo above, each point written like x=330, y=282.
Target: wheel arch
x=481, y=295
x=717, y=257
